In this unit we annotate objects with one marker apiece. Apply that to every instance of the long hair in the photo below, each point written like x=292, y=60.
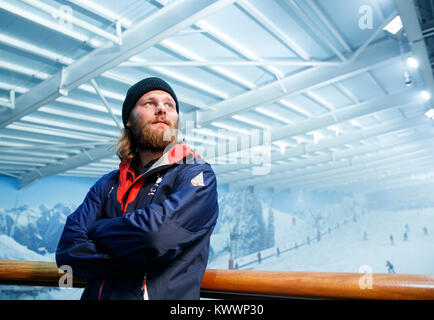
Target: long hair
x=126, y=148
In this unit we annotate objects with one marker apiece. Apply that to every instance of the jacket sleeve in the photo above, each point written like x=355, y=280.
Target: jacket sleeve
x=157, y=233
x=77, y=250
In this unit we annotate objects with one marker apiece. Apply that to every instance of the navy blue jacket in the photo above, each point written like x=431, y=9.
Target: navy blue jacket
x=148, y=231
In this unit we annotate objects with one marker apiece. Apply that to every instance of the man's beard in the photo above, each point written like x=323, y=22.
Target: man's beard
x=155, y=140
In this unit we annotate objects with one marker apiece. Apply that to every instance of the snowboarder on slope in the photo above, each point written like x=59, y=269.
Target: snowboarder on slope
x=389, y=267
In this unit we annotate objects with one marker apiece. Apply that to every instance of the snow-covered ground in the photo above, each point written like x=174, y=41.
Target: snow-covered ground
x=342, y=250
x=345, y=250
x=38, y=293
x=12, y=250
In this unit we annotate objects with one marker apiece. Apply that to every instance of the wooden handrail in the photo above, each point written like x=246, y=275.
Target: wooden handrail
x=34, y=273
x=321, y=285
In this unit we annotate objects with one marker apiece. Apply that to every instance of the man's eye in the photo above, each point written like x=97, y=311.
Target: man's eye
x=148, y=104
x=170, y=106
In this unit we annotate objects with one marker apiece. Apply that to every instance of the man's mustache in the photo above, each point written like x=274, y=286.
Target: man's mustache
x=165, y=121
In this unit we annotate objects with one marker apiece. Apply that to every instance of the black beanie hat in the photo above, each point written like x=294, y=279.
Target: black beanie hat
x=139, y=89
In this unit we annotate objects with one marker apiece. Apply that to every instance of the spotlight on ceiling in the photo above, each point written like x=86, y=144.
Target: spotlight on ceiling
x=412, y=63
x=430, y=113
x=425, y=95
x=394, y=27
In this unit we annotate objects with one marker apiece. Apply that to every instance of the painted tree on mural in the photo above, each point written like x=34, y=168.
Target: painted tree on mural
x=250, y=224
x=270, y=241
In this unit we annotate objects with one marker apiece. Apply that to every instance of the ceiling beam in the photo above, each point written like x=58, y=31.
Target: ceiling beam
x=48, y=133
x=231, y=62
x=9, y=174
x=391, y=182
x=407, y=96
x=370, y=183
x=315, y=29
x=373, y=168
x=171, y=19
x=326, y=21
x=369, y=59
x=271, y=27
x=326, y=144
x=410, y=21
x=404, y=97
x=278, y=170
x=366, y=183
x=396, y=184
x=67, y=164
x=340, y=180
x=336, y=169
x=145, y=34
x=55, y=57
x=373, y=56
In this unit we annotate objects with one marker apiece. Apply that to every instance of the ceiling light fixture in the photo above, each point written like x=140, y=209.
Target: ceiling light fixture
x=335, y=128
x=294, y=107
x=316, y=136
x=282, y=146
x=273, y=115
x=250, y=121
x=412, y=63
x=425, y=95
x=430, y=114
x=394, y=26
x=355, y=123
x=230, y=128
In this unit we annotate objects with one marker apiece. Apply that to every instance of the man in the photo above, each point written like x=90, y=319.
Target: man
x=143, y=231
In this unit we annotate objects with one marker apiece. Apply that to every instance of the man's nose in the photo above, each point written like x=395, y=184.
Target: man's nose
x=160, y=108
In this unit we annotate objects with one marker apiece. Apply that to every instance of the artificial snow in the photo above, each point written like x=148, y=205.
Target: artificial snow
x=344, y=249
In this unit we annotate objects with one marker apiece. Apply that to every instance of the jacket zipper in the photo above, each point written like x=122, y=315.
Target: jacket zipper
x=100, y=290
x=126, y=195
x=144, y=289
x=125, y=199
x=123, y=212
x=156, y=184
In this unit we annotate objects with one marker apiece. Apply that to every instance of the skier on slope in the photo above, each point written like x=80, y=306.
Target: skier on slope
x=389, y=267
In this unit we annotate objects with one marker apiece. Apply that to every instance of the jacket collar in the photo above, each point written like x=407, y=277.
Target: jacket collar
x=172, y=155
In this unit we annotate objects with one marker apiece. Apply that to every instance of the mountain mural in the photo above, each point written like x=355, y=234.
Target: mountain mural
x=39, y=229
x=247, y=224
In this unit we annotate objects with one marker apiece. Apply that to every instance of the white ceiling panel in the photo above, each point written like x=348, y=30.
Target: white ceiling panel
x=325, y=82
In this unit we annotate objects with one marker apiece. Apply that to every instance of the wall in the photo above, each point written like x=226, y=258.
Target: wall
x=48, y=191
x=414, y=197
x=293, y=200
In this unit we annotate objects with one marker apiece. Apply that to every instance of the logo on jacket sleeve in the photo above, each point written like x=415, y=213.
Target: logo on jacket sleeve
x=198, y=180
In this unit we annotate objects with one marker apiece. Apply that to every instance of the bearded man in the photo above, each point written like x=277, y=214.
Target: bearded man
x=143, y=231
